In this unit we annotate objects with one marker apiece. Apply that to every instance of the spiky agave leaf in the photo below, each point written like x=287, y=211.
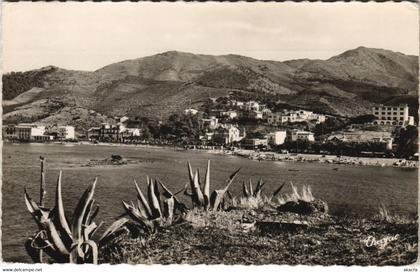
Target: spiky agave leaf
x=206, y=189
x=197, y=197
x=145, y=208
x=217, y=197
x=55, y=238
x=251, y=190
x=168, y=194
x=40, y=215
x=231, y=178
x=80, y=213
x=258, y=188
x=278, y=190
x=137, y=217
x=157, y=193
x=113, y=231
x=196, y=191
x=62, y=220
x=190, y=173
x=93, y=253
x=34, y=253
x=169, y=207
x=38, y=244
x=153, y=200
x=245, y=189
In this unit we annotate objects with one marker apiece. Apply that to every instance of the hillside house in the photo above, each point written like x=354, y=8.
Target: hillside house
x=112, y=133
x=209, y=123
x=281, y=118
x=300, y=135
x=252, y=106
x=276, y=137
x=254, y=143
x=65, y=133
x=228, y=134
x=392, y=115
x=250, y=114
x=231, y=114
x=190, y=111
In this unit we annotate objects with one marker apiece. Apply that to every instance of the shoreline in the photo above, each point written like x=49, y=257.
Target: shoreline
x=266, y=155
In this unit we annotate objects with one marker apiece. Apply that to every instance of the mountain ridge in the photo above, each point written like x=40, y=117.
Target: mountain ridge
x=155, y=86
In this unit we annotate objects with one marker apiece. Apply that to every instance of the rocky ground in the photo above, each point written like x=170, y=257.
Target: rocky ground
x=273, y=236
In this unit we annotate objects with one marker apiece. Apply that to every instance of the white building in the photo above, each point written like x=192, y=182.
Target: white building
x=236, y=104
x=230, y=114
x=210, y=123
x=254, y=143
x=228, y=134
x=280, y=118
x=277, y=119
x=252, y=106
x=124, y=119
x=66, y=132
x=26, y=132
x=135, y=132
x=276, y=137
x=392, y=115
x=299, y=135
x=190, y=111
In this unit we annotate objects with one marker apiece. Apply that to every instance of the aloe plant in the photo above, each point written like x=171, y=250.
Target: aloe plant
x=60, y=240
x=249, y=192
x=201, y=197
x=153, y=212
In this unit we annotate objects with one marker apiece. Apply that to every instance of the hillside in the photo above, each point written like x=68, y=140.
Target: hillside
x=157, y=86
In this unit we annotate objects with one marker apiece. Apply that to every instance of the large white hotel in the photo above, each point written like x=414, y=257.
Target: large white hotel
x=392, y=115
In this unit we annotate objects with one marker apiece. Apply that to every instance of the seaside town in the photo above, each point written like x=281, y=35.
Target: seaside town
x=231, y=125
x=244, y=133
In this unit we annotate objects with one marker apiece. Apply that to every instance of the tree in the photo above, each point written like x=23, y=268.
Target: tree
x=330, y=124
x=407, y=141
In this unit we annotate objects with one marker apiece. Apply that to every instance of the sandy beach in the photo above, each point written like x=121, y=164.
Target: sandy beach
x=333, y=159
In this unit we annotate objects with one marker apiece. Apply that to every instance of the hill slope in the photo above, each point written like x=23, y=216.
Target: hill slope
x=156, y=86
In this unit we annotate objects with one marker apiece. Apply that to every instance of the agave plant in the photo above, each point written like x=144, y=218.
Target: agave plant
x=62, y=240
x=152, y=212
x=201, y=197
x=249, y=192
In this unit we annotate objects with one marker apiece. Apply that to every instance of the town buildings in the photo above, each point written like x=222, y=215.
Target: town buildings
x=299, y=135
x=277, y=137
x=392, y=115
x=190, y=111
x=29, y=132
x=363, y=137
x=209, y=123
x=65, y=133
x=113, y=133
x=231, y=114
x=254, y=143
x=228, y=134
x=251, y=114
x=281, y=118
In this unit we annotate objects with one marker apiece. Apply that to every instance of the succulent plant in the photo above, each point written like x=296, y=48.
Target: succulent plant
x=60, y=240
x=153, y=212
x=249, y=192
x=201, y=197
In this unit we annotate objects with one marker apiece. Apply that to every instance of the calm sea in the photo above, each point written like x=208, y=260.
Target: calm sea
x=352, y=189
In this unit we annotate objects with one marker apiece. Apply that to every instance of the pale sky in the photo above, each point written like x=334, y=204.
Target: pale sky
x=88, y=36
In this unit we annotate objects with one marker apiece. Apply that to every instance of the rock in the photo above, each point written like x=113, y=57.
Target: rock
x=304, y=207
